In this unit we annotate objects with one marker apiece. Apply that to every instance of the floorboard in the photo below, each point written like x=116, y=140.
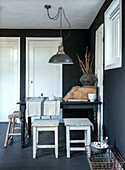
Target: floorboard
x=15, y=158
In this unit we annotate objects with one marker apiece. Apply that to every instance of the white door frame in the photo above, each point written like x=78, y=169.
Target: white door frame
x=99, y=69
x=28, y=40
x=17, y=41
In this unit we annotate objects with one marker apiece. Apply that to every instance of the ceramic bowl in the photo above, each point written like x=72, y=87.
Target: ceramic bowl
x=92, y=97
x=52, y=98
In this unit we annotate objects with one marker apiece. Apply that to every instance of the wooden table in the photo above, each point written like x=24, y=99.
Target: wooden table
x=64, y=105
x=84, y=105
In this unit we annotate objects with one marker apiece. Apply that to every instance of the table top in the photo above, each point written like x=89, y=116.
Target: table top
x=24, y=100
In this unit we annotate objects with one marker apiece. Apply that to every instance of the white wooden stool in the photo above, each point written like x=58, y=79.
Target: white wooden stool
x=45, y=125
x=77, y=124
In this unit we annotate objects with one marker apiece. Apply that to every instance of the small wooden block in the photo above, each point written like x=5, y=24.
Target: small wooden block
x=76, y=100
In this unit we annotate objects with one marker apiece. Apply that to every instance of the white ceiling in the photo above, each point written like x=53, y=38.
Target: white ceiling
x=31, y=14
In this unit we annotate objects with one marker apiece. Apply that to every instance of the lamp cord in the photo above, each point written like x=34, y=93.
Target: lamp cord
x=61, y=24
x=56, y=16
x=59, y=12
x=68, y=24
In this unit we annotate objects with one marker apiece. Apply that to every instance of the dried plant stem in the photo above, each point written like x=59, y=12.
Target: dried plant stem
x=81, y=65
x=88, y=63
x=91, y=64
x=87, y=67
x=86, y=57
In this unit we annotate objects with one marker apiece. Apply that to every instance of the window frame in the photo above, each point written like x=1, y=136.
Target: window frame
x=113, y=35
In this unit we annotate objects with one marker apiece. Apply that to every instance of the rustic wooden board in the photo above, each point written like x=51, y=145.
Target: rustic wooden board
x=78, y=93
x=75, y=100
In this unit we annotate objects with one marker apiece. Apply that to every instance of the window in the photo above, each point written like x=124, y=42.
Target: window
x=113, y=35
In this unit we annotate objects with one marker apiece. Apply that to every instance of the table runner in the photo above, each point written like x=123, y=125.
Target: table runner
x=51, y=107
x=37, y=107
x=34, y=107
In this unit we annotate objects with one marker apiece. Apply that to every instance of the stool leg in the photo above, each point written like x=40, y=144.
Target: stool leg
x=68, y=141
x=56, y=142
x=85, y=133
x=13, y=125
x=34, y=142
x=26, y=129
x=37, y=136
x=7, y=134
x=88, y=136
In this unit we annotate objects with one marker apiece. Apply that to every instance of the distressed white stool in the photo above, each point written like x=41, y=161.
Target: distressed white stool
x=77, y=124
x=45, y=125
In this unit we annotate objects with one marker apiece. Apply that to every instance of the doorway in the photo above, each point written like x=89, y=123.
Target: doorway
x=9, y=76
x=42, y=77
x=99, y=68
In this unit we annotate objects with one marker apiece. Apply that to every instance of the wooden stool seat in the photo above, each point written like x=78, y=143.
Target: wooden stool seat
x=45, y=125
x=77, y=124
x=15, y=114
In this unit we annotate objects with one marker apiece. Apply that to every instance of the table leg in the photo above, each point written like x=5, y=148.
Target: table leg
x=95, y=124
x=29, y=126
x=23, y=126
x=89, y=115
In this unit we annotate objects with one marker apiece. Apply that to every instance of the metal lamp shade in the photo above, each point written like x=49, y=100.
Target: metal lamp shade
x=60, y=57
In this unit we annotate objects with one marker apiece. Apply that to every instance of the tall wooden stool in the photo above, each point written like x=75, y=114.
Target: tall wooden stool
x=77, y=124
x=45, y=125
x=14, y=115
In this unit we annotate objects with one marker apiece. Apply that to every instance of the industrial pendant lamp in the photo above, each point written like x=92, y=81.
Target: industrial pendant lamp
x=61, y=57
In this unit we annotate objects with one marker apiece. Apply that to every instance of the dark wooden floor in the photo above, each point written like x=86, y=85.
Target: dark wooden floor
x=15, y=158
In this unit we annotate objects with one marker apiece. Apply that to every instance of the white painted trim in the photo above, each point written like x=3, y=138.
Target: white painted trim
x=9, y=38
x=98, y=47
x=18, y=67
x=114, y=61
x=44, y=39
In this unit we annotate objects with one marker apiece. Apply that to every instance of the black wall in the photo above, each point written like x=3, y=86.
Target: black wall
x=114, y=88
x=75, y=44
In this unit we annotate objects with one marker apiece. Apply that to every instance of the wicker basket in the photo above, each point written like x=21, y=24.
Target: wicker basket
x=99, y=147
